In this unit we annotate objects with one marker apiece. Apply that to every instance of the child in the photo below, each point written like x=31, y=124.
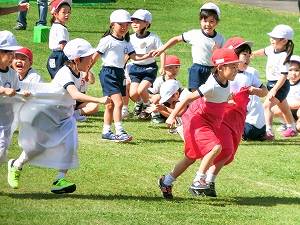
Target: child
x=293, y=97
x=278, y=54
x=143, y=73
x=22, y=65
x=203, y=42
x=113, y=48
x=171, y=70
x=202, y=120
x=59, y=35
x=55, y=144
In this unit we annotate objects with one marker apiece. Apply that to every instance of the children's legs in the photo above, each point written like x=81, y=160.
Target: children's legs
x=133, y=91
x=181, y=166
x=286, y=112
x=108, y=117
x=298, y=121
x=209, y=158
x=89, y=108
x=143, y=90
x=117, y=110
x=268, y=113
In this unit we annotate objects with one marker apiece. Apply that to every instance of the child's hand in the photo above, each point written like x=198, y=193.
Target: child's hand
x=171, y=121
x=9, y=92
x=105, y=100
x=271, y=95
x=23, y=7
x=156, y=52
x=162, y=71
x=26, y=93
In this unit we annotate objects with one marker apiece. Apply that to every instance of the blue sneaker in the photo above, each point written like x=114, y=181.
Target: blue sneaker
x=110, y=136
x=199, y=187
x=123, y=137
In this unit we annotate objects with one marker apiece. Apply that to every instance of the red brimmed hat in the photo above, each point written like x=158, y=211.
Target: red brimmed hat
x=56, y=3
x=25, y=51
x=172, y=60
x=222, y=56
x=236, y=42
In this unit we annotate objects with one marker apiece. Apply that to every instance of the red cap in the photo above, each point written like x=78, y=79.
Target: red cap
x=223, y=56
x=56, y=3
x=236, y=42
x=25, y=51
x=172, y=60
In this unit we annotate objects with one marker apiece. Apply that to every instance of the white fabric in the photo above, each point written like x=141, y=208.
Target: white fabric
x=275, y=66
x=202, y=45
x=213, y=91
x=31, y=77
x=8, y=41
x=294, y=94
x=113, y=51
x=184, y=94
x=255, y=112
x=145, y=45
x=58, y=33
x=77, y=48
x=156, y=85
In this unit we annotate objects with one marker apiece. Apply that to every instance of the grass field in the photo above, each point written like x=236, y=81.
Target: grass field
x=116, y=183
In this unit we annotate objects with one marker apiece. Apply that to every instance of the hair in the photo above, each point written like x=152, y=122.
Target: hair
x=52, y=20
x=205, y=13
x=243, y=48
x=289, y=51
x=109, y=32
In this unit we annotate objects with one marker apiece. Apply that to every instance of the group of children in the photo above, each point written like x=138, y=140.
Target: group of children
x=221, y=105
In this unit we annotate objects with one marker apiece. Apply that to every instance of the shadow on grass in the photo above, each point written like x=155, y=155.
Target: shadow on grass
x=276, y=142
x=267, y=201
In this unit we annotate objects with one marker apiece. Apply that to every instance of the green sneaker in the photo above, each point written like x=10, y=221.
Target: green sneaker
x=13, y=174
x=62, y=186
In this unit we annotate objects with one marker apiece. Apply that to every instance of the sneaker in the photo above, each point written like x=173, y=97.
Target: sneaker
x=144, y=115
x=269, y=136
x=13, y=174
x=20, y=26
x=165, y=189
x=199, y=187
x=137, y=108
x=123, y=137
x=125, y=113
x=110, y=136
x=157, y=119
x=282, y=127
x=211, y=192
x=289, y=132
x=62, y=186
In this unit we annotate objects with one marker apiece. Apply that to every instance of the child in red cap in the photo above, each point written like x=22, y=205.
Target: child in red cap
x=202, y=120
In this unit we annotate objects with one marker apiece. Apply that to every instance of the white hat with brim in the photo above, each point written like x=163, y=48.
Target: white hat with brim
x=120, y=16
x=8, y=41
x=282, y=31
x=295, y=58
x=78, y=48
x=167, y=89
x=211, y=6
x=142, y=14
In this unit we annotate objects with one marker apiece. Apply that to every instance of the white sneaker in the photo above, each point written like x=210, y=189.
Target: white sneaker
x=79, y=117
x=125, y=113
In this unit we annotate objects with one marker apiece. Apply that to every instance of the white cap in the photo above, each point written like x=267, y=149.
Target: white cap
x=295, y=58
x=282, y=31
x=120, y=16
x=8, y=41
x=142, y=14
x=167, y=89
x=77, y=48
x=211, y=6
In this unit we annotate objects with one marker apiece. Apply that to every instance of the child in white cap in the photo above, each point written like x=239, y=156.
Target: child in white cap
x=203, y=41
x=59, y=35
x=113, y=48
x=293, y=97
x=9, y=86
x=48, y=153
x=143, y=73
x=278, y=57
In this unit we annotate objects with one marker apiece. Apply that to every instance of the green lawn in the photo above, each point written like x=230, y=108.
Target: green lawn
x=117, y=182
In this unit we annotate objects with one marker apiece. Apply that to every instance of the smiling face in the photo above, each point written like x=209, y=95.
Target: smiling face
x=6, y=58
x=172, y=71
x=208, y=25
x=84, y=63
x=227, y=72
x=139, y=26
x=63, y=14
x=294, y=72
x=244, y=58
x=279, y=44
x=120, y=29
x=21, y=64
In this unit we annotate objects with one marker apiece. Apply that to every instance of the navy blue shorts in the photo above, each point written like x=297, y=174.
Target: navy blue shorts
x=112, y=80
x=282, y=92
x=294, y=113
x=56, y=61
x=253, y=133
x=198, y=75
x=137, y=73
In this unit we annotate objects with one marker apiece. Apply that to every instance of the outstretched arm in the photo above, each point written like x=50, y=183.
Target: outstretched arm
x=21, y=7
x=173, y=41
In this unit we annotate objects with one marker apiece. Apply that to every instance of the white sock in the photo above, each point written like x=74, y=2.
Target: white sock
x=210, y=178
x=125, y=107
x=199, y=176
x=169, y=180
x=118, y=127
x=106, y=128
x=61, y=174
x=23, y=158
x=293, y=126
x=269, y=127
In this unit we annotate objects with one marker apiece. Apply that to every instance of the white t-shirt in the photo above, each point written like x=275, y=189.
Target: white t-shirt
x=294, y=93
x=155, y=89
x=213, y=91
x=255, y=112
x=275, y=67
x=31, y=77
x=145, y=45
x=202, y=45
x=58, y=34
x=113, y=51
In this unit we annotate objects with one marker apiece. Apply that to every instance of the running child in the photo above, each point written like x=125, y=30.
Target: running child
x=45, y=150
x=59, y=35
x=278, y=56
x=202, y=120
x=203, y=41
x=113, y=48
x=143, y=73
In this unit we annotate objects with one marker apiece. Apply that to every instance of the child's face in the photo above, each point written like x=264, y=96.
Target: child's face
x=244, y=57
x=174, y=97
x=208, y=25
x=6, y=58
x=84, y=63
x=172, y=71
x=120, y=29
x=63, y=15
x=138, y=25
x=294, y=72
x=21, y=64
x=278, y=44
x=228, y=71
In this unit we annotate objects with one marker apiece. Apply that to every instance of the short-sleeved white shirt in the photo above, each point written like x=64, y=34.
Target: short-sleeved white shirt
x=145, y=45
x=294, y=93
x=202, y=45
x=275, y=67
x=9, y=79
x=31, y=77
x=250, y=77
x=58, y=34
x=213, y=91
x=155, y=89
x=113, y=51
x=255, y=112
